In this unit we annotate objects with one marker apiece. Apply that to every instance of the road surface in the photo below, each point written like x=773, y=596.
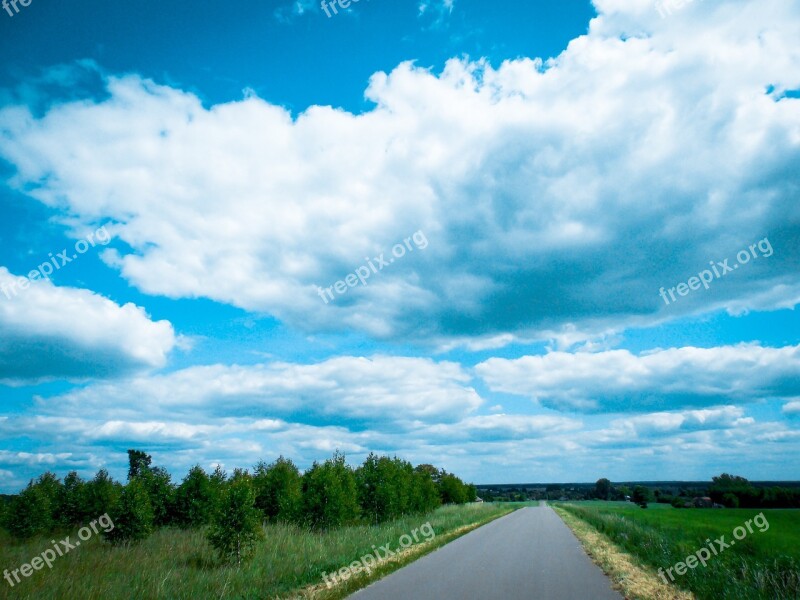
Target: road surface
x=527, y=555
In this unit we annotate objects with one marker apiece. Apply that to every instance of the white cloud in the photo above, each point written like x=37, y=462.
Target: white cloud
x=619, y=381
x=377, y=390
x=535, y=226
x=54, y=332
x=792, y=408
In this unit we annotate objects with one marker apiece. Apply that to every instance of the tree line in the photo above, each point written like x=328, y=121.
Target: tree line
x=233, y=507
x=730, y=491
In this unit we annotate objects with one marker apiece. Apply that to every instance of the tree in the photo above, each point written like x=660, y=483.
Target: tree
x=100, y=495
x=236, y=525
x=71, y=502
x=330, y=496
x=138, y=463
x=384, y=487
x=641, y=495
x=158, y=483
x=452, y=489
x=425, y=496
x=279, y=490
x=726, y=486
x=29, y=513
x=602, y=489
x=194, y=500
x=132, y=514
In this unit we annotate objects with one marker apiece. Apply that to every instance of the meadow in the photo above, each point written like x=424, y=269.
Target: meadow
x=177, y=564
x=762, y=565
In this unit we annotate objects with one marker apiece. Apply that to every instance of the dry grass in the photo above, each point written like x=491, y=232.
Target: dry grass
x=636, y=581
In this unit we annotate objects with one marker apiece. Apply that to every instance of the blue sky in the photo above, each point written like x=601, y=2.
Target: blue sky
x=532, y=194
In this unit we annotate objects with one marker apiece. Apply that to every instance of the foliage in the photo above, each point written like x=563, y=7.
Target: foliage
x=279, y=490
x=194, y=499
x=132, y=514
x=236, y=525
x=330, y=496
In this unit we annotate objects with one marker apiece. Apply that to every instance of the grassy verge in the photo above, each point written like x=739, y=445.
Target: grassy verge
x=634, y=579
x=178, y=564
x=764, y=564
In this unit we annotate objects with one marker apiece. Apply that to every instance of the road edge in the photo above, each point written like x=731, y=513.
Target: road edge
x=408, y=556
x=628, y=575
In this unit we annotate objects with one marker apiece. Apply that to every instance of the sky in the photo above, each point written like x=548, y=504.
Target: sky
x=522, y=241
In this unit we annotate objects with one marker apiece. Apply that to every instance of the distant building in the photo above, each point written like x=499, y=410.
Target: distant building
x=703, y=502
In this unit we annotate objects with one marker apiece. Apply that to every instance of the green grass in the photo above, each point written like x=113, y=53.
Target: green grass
x=762, y=565
x=179, y=564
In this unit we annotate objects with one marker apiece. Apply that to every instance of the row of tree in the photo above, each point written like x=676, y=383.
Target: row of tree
x=329, y=494
x=726, y=490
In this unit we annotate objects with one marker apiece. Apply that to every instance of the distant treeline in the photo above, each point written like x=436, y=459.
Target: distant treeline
x=329, y=494
x=726, y=490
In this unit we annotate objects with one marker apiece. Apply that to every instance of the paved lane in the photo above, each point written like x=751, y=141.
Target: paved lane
x=527, y=555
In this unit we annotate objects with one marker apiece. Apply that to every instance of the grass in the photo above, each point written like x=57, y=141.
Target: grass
x=762, y=565
x=179, y=564
x=629, y=575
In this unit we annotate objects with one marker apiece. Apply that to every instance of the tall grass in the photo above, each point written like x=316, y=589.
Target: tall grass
x=178, y=564
x=757, y=567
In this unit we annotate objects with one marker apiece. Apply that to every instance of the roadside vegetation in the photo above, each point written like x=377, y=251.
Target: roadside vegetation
x=763, y=565
x=273, y=531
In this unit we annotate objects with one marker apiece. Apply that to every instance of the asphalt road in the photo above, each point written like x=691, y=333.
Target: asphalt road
x=527, y=555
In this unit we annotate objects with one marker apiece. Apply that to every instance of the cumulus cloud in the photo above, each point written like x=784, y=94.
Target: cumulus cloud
x=792, y=408
x=57, y=332
x=535, y=225
x=373, y=390
x=619, y=380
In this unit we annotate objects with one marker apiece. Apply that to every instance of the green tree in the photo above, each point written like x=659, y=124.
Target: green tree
x=100, y=495
x=330, y=496
x=236, y=525
x=30, y=513
x=452, y=489
x=72, y=500
x=158, y=483
x=641, y=495
x=425, y=496
x=194, y=500
x=602, y=489
x=138, y=463
x=132, y=514
x=279, y=490
x=385, y=487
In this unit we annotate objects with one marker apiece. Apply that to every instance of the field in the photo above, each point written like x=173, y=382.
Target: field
x=173, y=563
x=764, y=564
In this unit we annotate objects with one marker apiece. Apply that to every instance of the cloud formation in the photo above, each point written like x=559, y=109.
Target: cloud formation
x=51, y=332
x=620, y=381
x=534, y=225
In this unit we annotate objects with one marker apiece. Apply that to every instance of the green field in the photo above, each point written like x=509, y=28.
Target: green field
x=761, y=565
x=178, y=564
